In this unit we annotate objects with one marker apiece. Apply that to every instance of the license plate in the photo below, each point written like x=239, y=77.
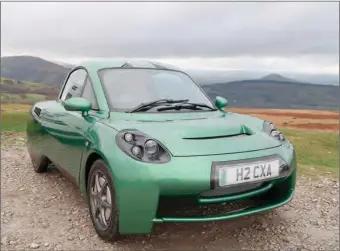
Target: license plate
x=231, y=175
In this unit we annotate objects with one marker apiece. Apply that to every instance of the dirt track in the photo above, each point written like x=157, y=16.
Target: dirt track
x=46, y=212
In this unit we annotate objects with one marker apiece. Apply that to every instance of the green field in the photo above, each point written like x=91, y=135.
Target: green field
x=29, y=98
x=13, y=121
x=317, y=152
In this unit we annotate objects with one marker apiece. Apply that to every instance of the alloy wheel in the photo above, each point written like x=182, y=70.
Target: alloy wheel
x=100, y=200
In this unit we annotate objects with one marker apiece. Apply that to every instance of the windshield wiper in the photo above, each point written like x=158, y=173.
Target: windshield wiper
x=202, y=105
x=149, y=105
x=186, y=105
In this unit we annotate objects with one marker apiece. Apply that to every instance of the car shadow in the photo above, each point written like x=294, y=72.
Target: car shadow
x=220, y=235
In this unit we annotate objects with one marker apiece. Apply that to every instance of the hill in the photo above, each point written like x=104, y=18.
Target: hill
x=33, y=69
x=41, y=79
x=207, y=77
x=16, y=91
x=276, y=77
x=264, y=93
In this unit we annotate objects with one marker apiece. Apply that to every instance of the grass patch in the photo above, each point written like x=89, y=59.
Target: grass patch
x=317, y=152
x=10, y=97
x=14, y=117
x=14, y=121
x=28, y=98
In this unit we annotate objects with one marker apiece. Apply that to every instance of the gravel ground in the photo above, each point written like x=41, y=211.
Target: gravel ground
x=47, y=212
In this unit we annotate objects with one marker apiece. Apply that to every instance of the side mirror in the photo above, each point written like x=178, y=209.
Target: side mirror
x=221, y=103
x=77, y=104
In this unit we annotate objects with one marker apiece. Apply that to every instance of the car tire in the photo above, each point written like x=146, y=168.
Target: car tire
x=40, y=165
x=105, y=224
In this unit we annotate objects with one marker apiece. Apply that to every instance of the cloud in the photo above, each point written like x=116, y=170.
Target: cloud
x=257, y=31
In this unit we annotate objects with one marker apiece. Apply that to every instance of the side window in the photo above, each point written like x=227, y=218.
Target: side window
x=89, y=94
x=74, y=84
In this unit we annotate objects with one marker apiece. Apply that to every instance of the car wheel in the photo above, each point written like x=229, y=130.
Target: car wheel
x=40, y=165
x=102, y=201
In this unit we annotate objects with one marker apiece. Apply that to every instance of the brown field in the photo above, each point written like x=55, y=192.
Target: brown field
x=299, y=119
x=15, y=107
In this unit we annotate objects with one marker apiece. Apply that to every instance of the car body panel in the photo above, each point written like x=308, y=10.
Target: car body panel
x=204, y=134
x=143, y=183
x=195, y=140
x=63, y=136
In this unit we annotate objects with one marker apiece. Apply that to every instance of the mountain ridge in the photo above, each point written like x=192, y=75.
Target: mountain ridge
x=33, y=69
x=267, y=91
x=277, y=77
x=276, y=94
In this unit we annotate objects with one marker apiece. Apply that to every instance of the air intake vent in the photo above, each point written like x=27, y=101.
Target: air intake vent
x=37, y=111
x=220, y=136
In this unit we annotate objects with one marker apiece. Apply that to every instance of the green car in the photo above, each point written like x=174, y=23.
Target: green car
x=141, y=139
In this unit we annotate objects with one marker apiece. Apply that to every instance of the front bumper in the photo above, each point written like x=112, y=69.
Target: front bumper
x=140, y=187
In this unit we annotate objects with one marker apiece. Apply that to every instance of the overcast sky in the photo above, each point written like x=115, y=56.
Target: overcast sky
x=253, y=36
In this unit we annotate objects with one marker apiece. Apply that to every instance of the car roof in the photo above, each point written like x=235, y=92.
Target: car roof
x=127, y=63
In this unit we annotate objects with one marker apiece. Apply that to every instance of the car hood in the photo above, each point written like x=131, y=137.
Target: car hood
x=199, y=133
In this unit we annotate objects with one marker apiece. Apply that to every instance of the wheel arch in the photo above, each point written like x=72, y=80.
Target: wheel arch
x=91, y=158
x=89, y=162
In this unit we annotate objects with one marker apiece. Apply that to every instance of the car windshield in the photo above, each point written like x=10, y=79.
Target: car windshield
x=128, y=88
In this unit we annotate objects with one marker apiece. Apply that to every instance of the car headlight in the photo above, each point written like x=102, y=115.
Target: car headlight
x=271, y=130
x=141, y=147
x=151, y=147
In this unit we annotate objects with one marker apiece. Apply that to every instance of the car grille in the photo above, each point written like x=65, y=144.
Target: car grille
x=188, y=207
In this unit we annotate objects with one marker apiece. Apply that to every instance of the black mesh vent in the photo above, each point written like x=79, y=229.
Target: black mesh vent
x=37, y=111
x=221, y=136
x=188, y=207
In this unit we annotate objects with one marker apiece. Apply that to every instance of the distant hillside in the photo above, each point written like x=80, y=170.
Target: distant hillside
x=33, y=69
x=264, y=93
x=16, y=91
x=207, y=77
x=277, y=77
x=70, y=66
x=30, y=78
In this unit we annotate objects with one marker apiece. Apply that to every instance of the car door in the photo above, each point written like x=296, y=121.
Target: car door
x=59, y=134
x=76, y=136
x=55, y=132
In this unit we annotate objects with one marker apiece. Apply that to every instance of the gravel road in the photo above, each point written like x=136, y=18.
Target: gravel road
x=47, y=212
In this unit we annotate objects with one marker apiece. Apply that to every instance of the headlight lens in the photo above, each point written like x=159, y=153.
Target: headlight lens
x=141, y=147
x=151, y=147
x=136, y=151
x=270, y=129
x=128, y=137
x=275, y=134
x=282, y=136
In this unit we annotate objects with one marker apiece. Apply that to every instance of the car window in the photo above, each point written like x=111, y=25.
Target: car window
x=127, y=88
x=88, y=93
x=74, y=84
